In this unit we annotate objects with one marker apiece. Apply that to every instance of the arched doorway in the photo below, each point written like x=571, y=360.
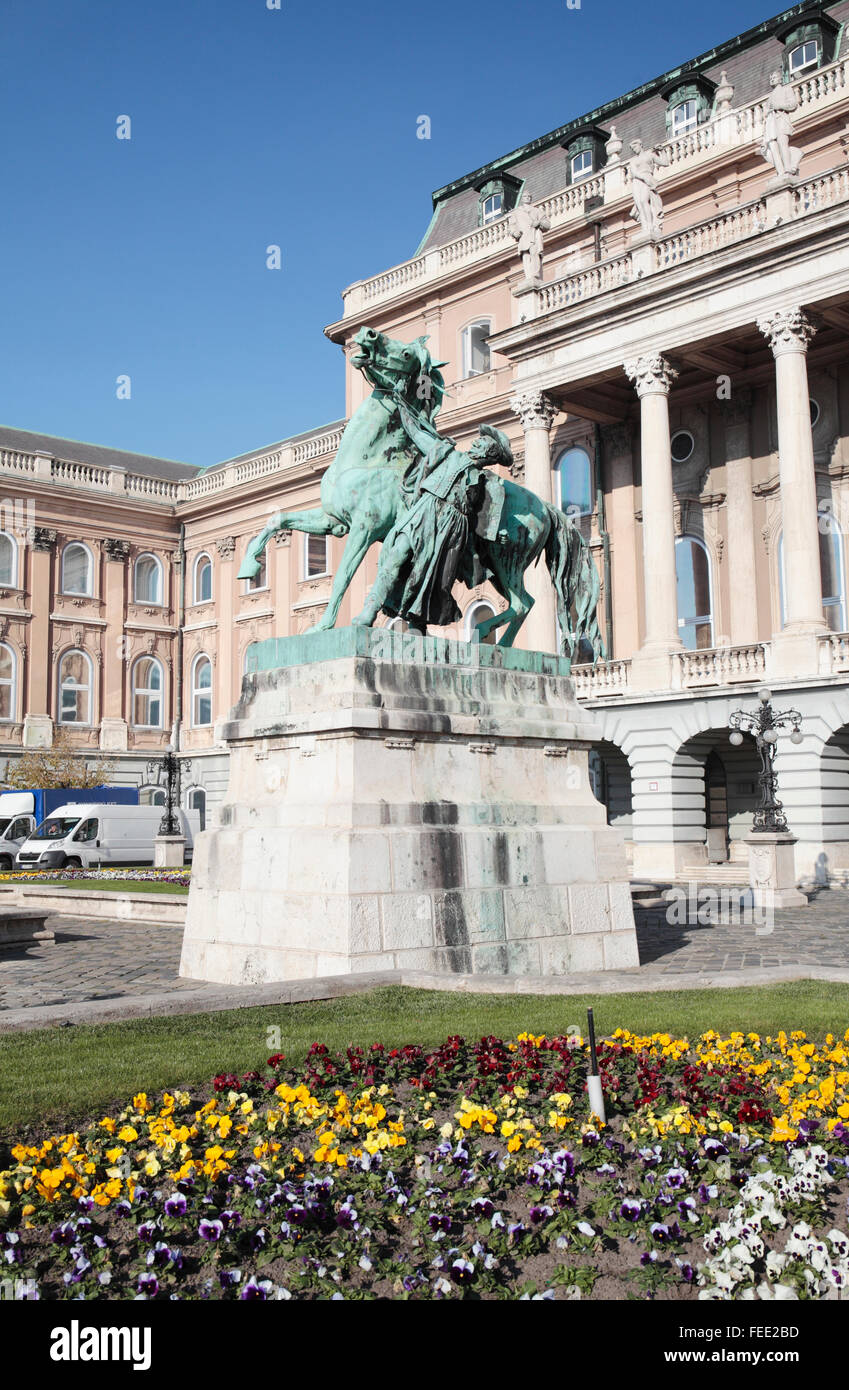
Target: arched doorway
x=610, y=779
x=716, y=794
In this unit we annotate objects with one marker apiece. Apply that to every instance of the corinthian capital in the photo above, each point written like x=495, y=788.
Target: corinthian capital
x=535, y=409
x=788, y=330
x=651, y=374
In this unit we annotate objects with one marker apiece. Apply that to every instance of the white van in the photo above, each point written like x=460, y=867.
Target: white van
x=94, y=834
x=16, y=825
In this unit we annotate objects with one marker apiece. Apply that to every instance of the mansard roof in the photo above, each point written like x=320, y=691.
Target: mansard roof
x=747, y=60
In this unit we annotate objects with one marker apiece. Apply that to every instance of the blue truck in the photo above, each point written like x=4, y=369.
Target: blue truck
x=22, y=811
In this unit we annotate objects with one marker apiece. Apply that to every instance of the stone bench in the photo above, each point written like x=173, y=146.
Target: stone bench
x=23, y=929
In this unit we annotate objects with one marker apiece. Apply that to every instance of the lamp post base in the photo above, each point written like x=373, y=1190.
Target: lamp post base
x=772, y=870
x=169, y=851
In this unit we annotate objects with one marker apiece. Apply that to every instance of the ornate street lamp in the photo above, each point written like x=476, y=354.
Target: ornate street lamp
x=763, y=725
x=166, y=773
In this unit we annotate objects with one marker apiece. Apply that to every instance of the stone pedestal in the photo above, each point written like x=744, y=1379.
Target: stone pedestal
x=406, y=802
x=169, y=851
x=19, y=929
x=772, y=871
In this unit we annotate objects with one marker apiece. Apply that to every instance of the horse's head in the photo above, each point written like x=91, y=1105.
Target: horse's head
x=389, y=364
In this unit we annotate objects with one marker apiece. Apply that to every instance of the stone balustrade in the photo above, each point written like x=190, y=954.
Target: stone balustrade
x=834, y=653
x=736, y=128
x=721, y=665
x=607, y=678
x=167, y=491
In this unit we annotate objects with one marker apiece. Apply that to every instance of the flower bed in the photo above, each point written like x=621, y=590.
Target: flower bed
x=179, y=877
x=473, y=1171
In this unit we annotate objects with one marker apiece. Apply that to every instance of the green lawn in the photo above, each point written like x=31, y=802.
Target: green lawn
x=102, y=885
x=67, y=1073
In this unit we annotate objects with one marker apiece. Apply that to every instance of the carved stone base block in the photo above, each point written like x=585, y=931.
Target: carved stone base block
x=772, y=871
x=38, y=731
x=113, y=735
x=411, y=802
x=169, y=851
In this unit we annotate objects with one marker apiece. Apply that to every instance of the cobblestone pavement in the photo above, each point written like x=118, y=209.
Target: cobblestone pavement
x=108, y=969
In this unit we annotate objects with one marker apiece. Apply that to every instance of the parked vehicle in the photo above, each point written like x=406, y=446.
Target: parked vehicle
x=22, y=811
x=83, y=835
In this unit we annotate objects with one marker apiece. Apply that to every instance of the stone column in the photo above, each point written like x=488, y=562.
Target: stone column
x=742, y=585
x=652, y=377
x=536, y=410
x=796, y=649
x=622, y=528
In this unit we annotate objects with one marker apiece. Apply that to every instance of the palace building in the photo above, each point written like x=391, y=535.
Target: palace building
x=676, y=378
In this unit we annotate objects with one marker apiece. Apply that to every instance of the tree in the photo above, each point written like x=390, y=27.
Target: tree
x=63, y=765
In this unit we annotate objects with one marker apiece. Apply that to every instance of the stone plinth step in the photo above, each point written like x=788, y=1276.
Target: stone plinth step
x=23, y=929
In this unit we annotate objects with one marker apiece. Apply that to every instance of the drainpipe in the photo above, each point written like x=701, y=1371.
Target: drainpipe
x=181, y=618
x=605, y=546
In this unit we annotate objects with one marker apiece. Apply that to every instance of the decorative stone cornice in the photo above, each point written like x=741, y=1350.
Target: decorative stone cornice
x=41, y=537
x=617, y=439
x=788, y=330
x=651, y=375
x=114, y=549
x=226, y=546
x=535, y=409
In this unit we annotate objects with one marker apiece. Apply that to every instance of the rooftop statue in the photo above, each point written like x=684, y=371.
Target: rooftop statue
x=648, y=207
x=778, y=128
x=442, y=514
x=526, y=225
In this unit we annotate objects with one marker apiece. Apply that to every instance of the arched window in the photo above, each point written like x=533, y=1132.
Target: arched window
x=692, y=573
x=574, y=482
x=476, y=354
x=478, y=613
x=147, y=693
x=77, y=569
x=202, y=588
x=152, y=796
x=147, y=580
x=316, y=556
x=260, y=579
x=492, y=207
x=684, y=117
x=196, y=801
x=8, y=694
x=804, y=55
x=75, y=688
x=201, y=692
x=832, y=574
x=8, y=560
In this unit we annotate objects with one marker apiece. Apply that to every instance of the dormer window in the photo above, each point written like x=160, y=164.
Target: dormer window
x=496, y=197
x=689, y=101
x=581, y=165
x=585, y=151
x=803, y=56
x=810, y=42
x=683, y=117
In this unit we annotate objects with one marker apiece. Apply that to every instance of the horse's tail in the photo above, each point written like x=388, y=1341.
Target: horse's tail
x=576, y=584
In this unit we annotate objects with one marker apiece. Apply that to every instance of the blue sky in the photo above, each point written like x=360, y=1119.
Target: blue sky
x=253, y=126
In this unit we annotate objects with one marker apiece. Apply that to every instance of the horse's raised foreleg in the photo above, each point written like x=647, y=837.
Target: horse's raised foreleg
x=360, y=538
x=315, y=522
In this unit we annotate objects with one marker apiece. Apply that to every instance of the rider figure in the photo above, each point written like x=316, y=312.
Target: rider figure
x=428, y=548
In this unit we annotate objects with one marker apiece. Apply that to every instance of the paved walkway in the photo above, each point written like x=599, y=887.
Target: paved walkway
x=103, y=970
